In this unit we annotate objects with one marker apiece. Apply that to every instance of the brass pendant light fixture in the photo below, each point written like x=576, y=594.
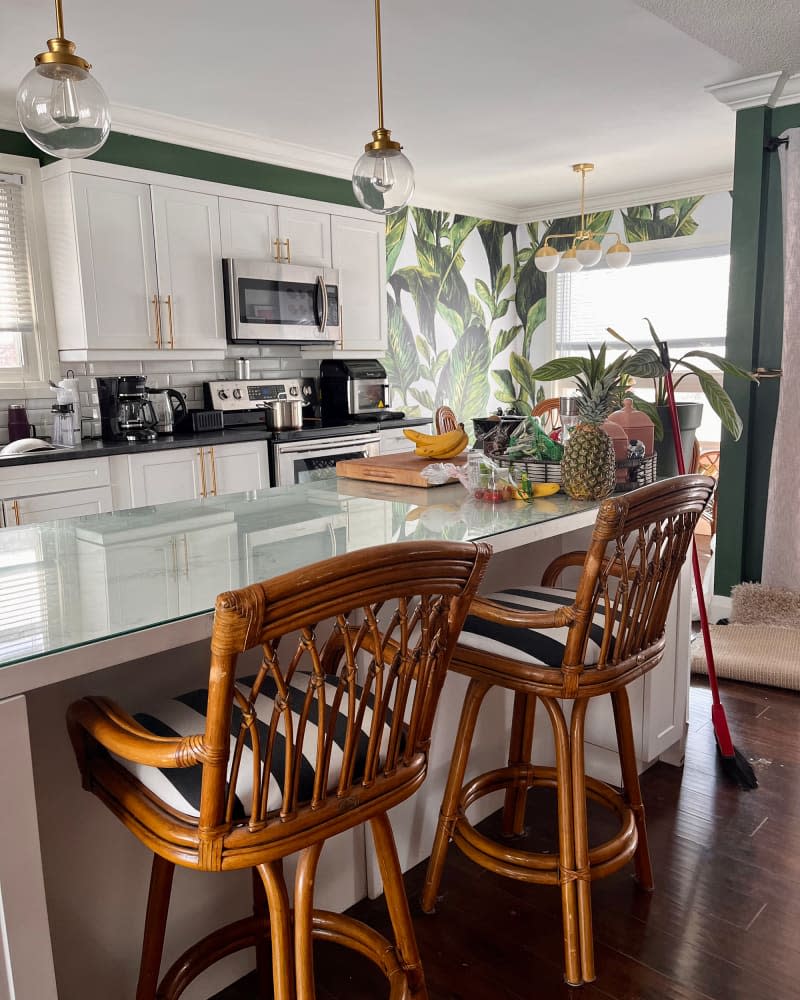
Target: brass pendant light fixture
x=383, y=178
x=61, y=107
x=585, y=250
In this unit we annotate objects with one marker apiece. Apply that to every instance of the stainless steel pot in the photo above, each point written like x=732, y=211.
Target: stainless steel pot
x=285, y=414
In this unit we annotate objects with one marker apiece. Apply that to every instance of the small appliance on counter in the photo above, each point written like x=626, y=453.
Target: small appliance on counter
x=354, y=390
x=18, y=424
x=167, y=415
x=126, y=413
x=65, y=434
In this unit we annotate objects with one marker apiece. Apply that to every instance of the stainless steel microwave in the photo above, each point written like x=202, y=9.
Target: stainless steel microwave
x=280, y=302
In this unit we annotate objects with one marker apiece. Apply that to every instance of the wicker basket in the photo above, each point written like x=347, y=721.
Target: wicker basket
x=641, y=471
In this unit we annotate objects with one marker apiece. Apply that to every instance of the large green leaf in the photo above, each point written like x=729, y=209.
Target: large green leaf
x=395, y=235
x=423, y=397
x=484, y=294
x=504, y=338
x=522, y=371
x=453, y=319
x=461, y=228
x=464, y=381
x=537, y=314
x=661, y=220
x=721, y=402
x=402, y=359
x=505, y=380
x=503, y=278
x=423, y=287
x=424, y=349
x=558, y=368
x=722, y=363
x=531, y=288
x=643, y=364
x=492, y=235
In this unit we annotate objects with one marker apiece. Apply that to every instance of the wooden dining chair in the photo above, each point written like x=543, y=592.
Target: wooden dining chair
x=548, y=412
x=708, y=465
x=445, y=420
x=331, y=731
x=565, y=648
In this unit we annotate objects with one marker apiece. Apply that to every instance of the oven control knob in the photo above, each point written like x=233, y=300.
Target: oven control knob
x=237, y=393
x=293, y=390
x=222, y=393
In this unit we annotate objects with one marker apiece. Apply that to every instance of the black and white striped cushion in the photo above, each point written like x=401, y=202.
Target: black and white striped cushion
x=544, y=647
x=186, y=715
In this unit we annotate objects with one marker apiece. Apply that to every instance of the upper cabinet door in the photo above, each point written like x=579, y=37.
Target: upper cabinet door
x=359, y=252
x=309, y=236
x=188, y=254
x=117, y=262
x=248, y=229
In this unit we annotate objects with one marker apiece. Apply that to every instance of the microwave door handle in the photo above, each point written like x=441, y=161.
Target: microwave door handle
x=323, y=291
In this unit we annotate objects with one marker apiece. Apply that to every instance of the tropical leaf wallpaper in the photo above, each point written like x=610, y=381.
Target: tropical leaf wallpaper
x=465, y=301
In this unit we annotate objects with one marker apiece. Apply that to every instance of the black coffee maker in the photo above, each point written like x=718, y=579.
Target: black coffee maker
x=126, y=412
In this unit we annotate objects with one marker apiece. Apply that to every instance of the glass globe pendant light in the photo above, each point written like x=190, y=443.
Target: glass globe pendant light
x=61, y=107
x=383, y=178
x=585, y=251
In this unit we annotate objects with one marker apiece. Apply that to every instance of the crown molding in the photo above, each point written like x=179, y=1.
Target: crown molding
x=790, y=93
x=711, y=184
x=750, y=92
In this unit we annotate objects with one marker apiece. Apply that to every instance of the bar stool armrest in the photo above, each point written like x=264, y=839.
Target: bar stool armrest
x=112, y=728
x=493, y=612
x=562, y=562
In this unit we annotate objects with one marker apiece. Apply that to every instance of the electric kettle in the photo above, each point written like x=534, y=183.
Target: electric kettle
x=170, y=408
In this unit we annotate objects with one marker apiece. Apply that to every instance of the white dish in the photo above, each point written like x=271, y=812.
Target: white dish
x=25, y=445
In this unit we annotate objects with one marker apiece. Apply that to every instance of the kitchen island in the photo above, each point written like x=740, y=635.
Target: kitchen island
x=120, y=604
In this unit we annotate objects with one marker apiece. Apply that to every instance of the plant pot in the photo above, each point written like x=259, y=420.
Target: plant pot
x=689, y=417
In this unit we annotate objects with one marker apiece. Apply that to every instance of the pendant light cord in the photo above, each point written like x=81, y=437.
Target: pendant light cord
x=379, y=61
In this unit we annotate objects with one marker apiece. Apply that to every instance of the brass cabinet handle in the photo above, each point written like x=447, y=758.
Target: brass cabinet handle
x=277, y=255
x=203, y=492
x=340, y=345
x=174, y=542
x=15, y=508
x=185, y=557
x=288, y=252
x=213, y=473
x=157, y=307
x=171, y=323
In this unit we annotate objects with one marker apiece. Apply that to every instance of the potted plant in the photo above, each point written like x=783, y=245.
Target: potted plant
x=588, y=470
x=689, y=414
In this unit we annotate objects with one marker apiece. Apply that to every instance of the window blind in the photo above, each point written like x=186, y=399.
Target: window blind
x=16, y=297
x=686, y=299
x=28, y=587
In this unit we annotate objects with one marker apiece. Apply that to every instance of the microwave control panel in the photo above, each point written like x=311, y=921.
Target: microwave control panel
x=235, y=395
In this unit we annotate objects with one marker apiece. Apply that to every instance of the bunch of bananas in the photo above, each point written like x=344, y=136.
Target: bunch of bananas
x=438, y=446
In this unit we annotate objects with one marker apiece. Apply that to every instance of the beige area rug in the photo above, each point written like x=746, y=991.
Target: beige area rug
x=754, y=604
x=759, y=654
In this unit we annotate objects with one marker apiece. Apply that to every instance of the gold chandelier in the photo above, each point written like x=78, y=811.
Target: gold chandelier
x=585, y=251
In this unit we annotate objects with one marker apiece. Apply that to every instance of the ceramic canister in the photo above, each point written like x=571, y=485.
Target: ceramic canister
x=620, y=441
x=637, y=425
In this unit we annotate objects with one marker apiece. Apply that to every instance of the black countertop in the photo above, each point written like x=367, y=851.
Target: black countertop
x=91, y=448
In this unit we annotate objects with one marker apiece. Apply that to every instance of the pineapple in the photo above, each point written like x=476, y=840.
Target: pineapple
x=588, y=471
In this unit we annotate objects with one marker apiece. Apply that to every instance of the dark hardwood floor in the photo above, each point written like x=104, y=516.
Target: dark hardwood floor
x=721, y=925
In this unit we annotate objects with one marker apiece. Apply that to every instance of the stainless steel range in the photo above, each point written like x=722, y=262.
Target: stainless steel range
x=296, y=456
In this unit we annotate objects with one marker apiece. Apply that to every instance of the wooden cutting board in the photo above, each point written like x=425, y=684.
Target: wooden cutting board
x=403, y=469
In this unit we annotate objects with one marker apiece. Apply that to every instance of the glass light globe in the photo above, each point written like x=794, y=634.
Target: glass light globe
x=589, y=252
x=546, y=258
x=63, y=110
x=619, y=255
x=383, y=180
x=570, y=262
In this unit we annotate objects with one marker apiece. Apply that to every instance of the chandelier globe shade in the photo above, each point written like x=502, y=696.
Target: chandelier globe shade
x=383, y=178
x=61, y=107
x=585, y=249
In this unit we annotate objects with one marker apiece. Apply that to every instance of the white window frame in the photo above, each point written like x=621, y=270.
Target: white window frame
x=646, y=252
x=42, y=349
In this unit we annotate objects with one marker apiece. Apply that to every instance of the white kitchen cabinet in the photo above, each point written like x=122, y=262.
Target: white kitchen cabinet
x=237, y=468
x=187, y=241
x=154, y=477
x=308, y=234
x=55, y=506
x=358, y=250
x=135, y=268
x=248, y=229
x=393, y=439
x=207, y=565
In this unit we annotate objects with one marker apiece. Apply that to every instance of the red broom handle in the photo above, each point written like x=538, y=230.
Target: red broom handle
x=717, y=711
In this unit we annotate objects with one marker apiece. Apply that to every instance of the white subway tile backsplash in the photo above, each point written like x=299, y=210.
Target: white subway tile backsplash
x=116, y=367
x=167, y=367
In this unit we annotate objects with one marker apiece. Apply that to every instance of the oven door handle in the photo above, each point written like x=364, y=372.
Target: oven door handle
x=323, y=298
x=343, y=444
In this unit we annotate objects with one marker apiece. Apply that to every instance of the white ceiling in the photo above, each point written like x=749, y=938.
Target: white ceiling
x=493, y=102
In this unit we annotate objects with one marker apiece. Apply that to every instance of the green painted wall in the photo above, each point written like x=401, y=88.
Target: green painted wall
x=131, y=151
x=755, y=333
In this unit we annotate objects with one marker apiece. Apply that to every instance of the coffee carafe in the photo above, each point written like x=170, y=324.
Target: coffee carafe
x=126, y=413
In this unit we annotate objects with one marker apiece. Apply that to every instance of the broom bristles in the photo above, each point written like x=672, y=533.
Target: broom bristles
x=738, y=769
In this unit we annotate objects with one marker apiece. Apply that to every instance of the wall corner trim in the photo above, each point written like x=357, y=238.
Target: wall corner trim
x=751, y=91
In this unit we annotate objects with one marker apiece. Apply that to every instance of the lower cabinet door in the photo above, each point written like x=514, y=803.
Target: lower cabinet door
x=237, y=468
x=56, y=506
x=207, y=564
x=164, y=476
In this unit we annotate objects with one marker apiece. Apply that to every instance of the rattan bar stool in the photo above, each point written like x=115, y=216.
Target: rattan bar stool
x=570, y=646
x=333, y=730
